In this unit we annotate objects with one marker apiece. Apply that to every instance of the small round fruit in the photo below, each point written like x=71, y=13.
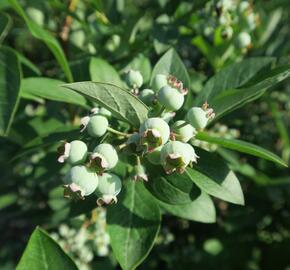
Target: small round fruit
x=244, y=40
x=197, y=117
x=134, y=78
x=97, y=125
x=104, y=157
x=175, y=156
x=159, y=81
x=147, y=96
x=170, y=98
x=74, y=152
x=154, y=132
x=80, y=182
x=109, y=187
x=184, y=133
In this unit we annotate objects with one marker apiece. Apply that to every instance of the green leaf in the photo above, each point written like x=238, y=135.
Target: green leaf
x=43, y=35
x=201, y=209
x=102, y=71
x=232, y=77
x=26, y=62
x=40, y=87
x=171, y=189
x=214, y=177
x=42, y=252
x=5, y=25
x=241, y=146
x=232, y=99
x=10, y=76
x=119, y=101
x=170, y=63
x=133, y=225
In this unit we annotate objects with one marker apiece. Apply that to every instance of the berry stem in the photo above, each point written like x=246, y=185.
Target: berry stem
x=162, y=110
x=118, y=132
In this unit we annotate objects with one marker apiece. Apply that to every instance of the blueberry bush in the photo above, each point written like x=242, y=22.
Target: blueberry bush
x=144, y=134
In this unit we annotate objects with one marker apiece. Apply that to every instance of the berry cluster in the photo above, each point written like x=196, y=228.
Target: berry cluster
x=157, y=140
x=227, y=18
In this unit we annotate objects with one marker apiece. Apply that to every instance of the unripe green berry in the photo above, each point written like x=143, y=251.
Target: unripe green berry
x=175, y=156
x=147, y=96
x=74, y=152
x=140, y=173
x=184, y=133
x=104, y=157
x=170, y=98
x=80, y=182
x=134, y=78
x=159, y=81
x=154, y=132
x=97, y=125
x=197, y=117
x=109, y=187
x=243, y=40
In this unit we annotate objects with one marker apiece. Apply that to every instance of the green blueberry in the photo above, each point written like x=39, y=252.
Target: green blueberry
x=80, y=181
x=109, y=187
x=97, y=125
x=184, y=133
x=74, y=152
x=101, y=111
x=170, y=98
x=175, y=156
x=159, y=81
x=154, y=132
x=244, y=40
x=134, y=78
x=197, y=117
x=227, y=32
x=104, y=157
x=147, y=96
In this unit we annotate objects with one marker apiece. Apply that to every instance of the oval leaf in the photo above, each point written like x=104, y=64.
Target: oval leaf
x=231, y=77
x=9, y=90
x=119, y=101
x=241, y=146
x=170, y=63
x=42, y=252
x=201, y=209
x=214, y=177
x=133, y=225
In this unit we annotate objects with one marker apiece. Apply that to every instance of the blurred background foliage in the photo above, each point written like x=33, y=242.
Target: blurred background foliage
x=108, y=35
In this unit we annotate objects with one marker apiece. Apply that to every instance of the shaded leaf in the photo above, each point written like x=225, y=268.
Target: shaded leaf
x=42, y=252
x=133, y=225
x=201, y=209
x=214, y=177
x=10, y=76
x=5, y=24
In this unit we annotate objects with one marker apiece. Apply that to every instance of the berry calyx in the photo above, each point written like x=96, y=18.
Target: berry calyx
x=154, y=132
x=175, y=156
x=109, y=187
x=80, y=181
x=103, y=158
x=74, y=152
